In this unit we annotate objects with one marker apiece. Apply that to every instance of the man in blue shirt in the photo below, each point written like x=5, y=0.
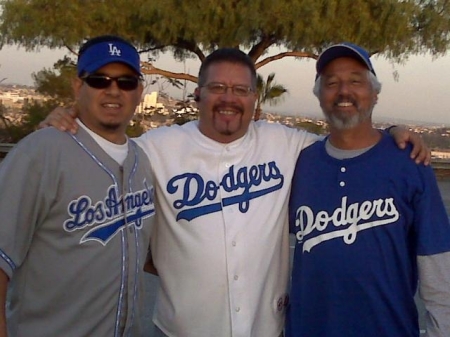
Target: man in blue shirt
x=369, y=222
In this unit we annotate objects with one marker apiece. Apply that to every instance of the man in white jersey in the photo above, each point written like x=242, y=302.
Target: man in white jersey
x=76, y=211
x=220, y=243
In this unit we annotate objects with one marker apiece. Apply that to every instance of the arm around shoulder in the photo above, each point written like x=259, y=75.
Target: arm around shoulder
x=420, y=152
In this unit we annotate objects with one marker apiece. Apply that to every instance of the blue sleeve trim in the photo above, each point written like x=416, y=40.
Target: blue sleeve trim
x=5, y=257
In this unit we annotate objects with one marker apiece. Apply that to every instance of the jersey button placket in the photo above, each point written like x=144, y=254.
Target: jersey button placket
x=342, y=176
x=232, y=229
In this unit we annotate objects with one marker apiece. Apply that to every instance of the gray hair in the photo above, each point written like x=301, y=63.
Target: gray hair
x=376, y=85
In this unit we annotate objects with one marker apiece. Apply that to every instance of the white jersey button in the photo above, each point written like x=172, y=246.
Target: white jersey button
x=343, y=169
x=233, y=243
x=236, y=277
x=342, y=184
x=238, y=309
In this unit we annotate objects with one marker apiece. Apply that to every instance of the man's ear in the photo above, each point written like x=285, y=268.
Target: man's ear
x=197, y=94
x=140, y=90
x=77, y=83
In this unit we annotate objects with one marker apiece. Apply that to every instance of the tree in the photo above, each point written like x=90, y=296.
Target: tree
x=34, y=112
x=191, y=29
x=312, y=127
x=135, y=129
x=56, y=83
x=53, y=83
x=4, y=120
x=268, y=92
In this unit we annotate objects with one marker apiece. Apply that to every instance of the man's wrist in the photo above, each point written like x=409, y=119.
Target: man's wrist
x=388, y=129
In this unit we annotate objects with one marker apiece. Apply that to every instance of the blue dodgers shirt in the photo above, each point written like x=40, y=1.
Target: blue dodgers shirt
x=359, y=225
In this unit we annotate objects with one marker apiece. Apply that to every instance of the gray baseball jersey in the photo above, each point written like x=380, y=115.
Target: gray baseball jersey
x=74, y=233
x=220, y=242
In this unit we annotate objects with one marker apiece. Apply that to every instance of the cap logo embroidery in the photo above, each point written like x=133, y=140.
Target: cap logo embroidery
x=113, y=50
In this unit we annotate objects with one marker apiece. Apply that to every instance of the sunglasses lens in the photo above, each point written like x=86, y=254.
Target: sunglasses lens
x=98, y=82
x=126, y=83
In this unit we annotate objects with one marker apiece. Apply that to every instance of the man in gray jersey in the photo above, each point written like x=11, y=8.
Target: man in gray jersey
x=76, y=211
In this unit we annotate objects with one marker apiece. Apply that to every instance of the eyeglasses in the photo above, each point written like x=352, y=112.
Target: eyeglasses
x=221, y=88
x=126, y=82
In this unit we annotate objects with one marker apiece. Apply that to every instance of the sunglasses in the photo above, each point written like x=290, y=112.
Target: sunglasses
x=126, y=82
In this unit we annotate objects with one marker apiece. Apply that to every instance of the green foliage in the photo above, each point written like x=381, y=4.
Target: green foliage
x=135, y=130
x=34, y=112
x=312, y=127
x=5, y=125
x=56, y=83
x=53, y=83
x=268, y=92
x=181, y=119
x=191, y=29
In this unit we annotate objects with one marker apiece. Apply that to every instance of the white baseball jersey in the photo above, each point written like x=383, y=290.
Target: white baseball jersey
x=74, y=233
x=220, y=241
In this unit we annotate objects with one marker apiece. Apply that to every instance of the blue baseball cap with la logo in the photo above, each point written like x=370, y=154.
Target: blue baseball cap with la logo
x=99, y=54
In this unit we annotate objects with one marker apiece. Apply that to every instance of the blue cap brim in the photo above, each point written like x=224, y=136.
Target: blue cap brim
x=343, y=50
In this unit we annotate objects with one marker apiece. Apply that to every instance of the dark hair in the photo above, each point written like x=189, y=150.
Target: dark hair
x=231, y=55
x=98, y=39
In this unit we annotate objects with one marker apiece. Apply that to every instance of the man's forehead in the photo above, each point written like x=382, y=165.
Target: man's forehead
x=222, y=69
x=347, y=64
x=225, y=63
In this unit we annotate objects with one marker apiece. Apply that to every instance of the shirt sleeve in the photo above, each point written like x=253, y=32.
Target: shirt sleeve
x=434, y=290
x=24, y=199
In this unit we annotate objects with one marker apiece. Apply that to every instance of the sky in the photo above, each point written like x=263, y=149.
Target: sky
x=421, y=93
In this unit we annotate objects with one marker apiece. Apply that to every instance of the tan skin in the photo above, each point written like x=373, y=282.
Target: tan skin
x=226, y=117
x=347, y=99
x=107, y=111
x=149, y=267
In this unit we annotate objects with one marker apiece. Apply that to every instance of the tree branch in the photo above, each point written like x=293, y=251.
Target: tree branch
x=148, y=69
x=158, y=47
x=259, y=48
x=282, y=55
x=190, y=46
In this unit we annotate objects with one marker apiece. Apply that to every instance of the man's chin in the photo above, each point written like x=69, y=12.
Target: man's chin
x=111, y=126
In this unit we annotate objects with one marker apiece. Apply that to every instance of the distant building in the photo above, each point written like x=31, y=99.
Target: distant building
x=150, y=105
x=440, y=154
x=150, y=100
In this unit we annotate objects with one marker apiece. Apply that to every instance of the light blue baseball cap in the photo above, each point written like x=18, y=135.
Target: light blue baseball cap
x=105, y=52
x=344, y=49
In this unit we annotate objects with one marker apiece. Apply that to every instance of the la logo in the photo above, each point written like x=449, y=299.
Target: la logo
x=113, y=50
